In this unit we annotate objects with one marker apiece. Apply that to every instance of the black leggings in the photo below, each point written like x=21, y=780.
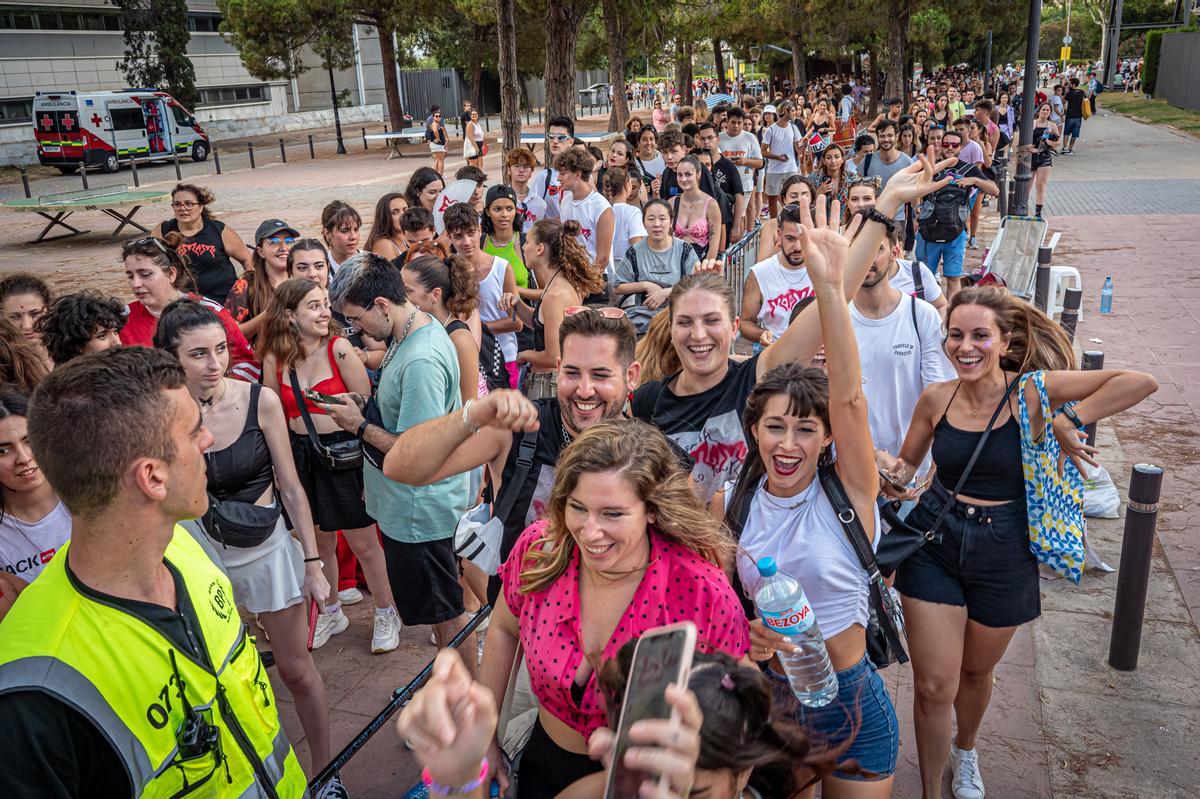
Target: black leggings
x=546, y=769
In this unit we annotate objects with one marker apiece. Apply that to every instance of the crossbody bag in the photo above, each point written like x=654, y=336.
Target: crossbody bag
x=340, y=456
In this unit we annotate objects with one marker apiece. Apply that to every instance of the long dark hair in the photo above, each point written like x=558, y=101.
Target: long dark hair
x=381, y=225
x=807, y=392
x=13, y=402
x=454, y=276
x=179, y=318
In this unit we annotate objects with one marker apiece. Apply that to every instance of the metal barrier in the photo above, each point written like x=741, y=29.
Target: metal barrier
x=400, y=698
x=735, y=261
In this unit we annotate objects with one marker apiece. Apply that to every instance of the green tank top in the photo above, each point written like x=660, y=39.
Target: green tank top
x=512, y=254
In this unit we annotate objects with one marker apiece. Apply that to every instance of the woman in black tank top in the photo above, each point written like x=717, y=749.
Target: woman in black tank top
x=445, y=288
x=250, y=456
x=209, y=248
x=977, y=580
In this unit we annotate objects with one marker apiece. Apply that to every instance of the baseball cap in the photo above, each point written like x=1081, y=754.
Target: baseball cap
x=273, y=226
x=770, y=109
x=499, y=192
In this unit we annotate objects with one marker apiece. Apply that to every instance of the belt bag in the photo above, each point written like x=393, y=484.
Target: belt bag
x=239, y=524
x=339, y=456
x=479, y=535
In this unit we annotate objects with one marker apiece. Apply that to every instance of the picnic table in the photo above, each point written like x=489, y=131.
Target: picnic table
x=395, y=138
x=533, y=139
x=112, y=200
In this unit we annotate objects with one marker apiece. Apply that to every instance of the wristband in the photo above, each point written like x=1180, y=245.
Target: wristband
x=362, y=428
x=873, y=215
x=467, y=419
x=1069, y=412
x=451, y=790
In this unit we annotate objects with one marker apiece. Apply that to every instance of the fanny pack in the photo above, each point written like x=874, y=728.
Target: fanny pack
x=340, y=456
x=234, y=523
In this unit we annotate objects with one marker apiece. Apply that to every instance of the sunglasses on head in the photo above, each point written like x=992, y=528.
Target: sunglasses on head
x=148, y=240
x=607, y=311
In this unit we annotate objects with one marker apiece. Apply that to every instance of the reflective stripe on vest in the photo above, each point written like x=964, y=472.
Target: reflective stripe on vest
x=116, y=670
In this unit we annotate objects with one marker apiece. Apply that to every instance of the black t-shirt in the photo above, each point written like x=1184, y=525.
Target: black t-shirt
x=463, y=119
x=53, y=751
x=1075, y=98
x=206, y=259
x=708, y=425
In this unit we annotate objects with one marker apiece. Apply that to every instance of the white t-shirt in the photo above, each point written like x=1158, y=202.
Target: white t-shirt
x=781, y=141
x=627, y=224
x=587, y=213
x=781, y=289
x=654, y=167
x=744, y=145
x=845, y=108
x=903, y=280
x=530, y=209
x=548, y=193
x=490, y=289
x=897, y=365
x=26, y=547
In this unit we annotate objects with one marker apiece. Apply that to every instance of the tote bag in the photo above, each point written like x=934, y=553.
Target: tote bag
x=1054, y=503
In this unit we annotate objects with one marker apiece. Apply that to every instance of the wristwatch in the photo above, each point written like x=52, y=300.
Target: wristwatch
x=362, y=428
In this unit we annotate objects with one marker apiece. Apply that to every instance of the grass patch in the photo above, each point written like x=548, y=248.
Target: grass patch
x=10, y=175
x=1155, y=112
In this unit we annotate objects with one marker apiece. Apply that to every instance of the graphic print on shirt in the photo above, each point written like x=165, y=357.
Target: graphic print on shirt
x=782, y=304
x=717, y=451
x=541, y=495
x=190, y=248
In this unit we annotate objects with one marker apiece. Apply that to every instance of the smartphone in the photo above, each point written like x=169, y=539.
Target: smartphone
x=662, y=656
x=312, y=621
x=317, y=396
x=891, y=481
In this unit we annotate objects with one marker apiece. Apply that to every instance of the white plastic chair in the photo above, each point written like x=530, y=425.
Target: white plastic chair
x=1062, y=278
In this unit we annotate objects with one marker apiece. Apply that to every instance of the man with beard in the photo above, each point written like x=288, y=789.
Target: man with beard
x=886, y=160
x=775, y=285
x=899, y=344
x=518, y=440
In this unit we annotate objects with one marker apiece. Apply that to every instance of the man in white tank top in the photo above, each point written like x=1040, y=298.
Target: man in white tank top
x=775, y=285
x=580, y=202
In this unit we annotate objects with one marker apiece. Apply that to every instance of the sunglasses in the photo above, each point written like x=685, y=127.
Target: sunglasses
x=607, y=311
x=952, y=145
x=859, y=180
x=148, y=240
x=557, y=137
x=277, y=240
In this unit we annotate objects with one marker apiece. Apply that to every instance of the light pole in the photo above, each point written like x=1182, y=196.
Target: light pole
x=1067, y=38
x=1024, y=176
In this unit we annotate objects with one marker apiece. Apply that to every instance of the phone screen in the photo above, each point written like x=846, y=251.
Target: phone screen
x=658, y=661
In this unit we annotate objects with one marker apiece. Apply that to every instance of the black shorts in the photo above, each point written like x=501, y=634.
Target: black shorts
x=547, y=769
x=424, y=580
x=335, y=498
x=982, y=561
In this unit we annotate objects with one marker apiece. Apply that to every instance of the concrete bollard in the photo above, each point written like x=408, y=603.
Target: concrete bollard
x=1133, y=576
x=1070, y=314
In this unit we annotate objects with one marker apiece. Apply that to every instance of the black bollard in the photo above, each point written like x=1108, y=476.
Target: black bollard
x=1092, y=359
x=1133, y=576
x=216, y=160
x=25, y=181
x=250, y=150
x=83, y=175
x=312, y=153
x=175, y=158
x=1070, y=312
x=364, y=135
x=1041, y=286
x=282, y=152
x=133, y=169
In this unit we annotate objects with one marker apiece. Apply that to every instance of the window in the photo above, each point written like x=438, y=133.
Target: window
x=66, y=19
x=19, y=110
x=127, y=118
x=204, y=23
x=182, y=118
x=229, y=95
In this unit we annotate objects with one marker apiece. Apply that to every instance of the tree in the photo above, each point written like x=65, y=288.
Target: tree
x=510, y=108
x=563, y=19
x=156, y=39
x=615, y=26
x=899, y=12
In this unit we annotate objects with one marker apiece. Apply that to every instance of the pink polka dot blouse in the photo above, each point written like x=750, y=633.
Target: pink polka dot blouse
x=679, y=585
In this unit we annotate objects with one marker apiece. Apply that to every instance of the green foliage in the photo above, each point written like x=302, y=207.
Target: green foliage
x=156, y=39
x=271, y=35
x=1150, y=66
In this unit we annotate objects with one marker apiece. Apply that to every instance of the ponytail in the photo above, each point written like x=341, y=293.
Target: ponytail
x=454, y=276
x=566, y=253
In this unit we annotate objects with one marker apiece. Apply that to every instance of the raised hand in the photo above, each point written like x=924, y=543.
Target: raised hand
x=824, y=246
x=915, y=181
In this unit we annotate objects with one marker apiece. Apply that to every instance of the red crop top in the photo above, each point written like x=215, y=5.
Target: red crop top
x=330, y=385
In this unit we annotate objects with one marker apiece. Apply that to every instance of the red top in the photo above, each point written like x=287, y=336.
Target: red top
x=679, y=585
x=140, y=325
x=330, y=385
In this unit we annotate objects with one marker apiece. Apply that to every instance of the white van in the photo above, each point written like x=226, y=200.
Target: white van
x=102, y=129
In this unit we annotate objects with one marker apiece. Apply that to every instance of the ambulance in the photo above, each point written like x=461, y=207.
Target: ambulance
x=102, y=129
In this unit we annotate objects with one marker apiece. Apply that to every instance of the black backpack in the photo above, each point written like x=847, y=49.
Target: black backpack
x=943, y=214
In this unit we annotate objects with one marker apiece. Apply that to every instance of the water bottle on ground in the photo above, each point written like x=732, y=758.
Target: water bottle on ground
x=784, y=608
x=1106, y=295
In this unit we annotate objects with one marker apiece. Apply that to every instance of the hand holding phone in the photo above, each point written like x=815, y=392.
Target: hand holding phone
x=317, y=396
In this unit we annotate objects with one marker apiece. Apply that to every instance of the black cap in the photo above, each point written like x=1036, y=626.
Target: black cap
x=271, y=227
x=499, y=192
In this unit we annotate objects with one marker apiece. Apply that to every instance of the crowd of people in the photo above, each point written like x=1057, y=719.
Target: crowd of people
x=285, y=425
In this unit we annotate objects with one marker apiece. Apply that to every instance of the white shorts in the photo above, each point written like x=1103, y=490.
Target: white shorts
x=434, y=147
x=774, y=182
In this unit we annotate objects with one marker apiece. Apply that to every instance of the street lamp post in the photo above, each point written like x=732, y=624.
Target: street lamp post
x=1024, y=176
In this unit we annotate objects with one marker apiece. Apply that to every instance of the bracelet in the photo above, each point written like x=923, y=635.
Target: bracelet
x=451, y=790
x=467, y=419
x=362, y=428
x=874, y=215
x=1069, y=412
x=317, y=559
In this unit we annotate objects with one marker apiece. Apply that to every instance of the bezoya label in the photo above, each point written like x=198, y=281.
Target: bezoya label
x=792, y=621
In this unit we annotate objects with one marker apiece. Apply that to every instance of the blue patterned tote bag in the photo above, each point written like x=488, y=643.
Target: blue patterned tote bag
x=1054, y=503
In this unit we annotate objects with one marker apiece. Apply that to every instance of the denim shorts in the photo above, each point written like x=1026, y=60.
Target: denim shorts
x=863, y=699
x=982, y=560
x=950, y=254
x=1073, y=126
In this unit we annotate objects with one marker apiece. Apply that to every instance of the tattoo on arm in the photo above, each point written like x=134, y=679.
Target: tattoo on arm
x=341, y=356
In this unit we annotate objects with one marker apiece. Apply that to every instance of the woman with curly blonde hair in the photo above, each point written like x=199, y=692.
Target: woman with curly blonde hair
x=625, y=547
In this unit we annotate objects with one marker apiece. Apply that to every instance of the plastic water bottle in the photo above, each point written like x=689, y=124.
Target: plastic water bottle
x=784, y=608
x=1106, y=295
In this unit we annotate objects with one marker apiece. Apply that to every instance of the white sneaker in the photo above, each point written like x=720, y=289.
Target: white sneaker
x=968, y=784
x=329, y=625
x=333, y=789
x=351, y=596
x=387, y=632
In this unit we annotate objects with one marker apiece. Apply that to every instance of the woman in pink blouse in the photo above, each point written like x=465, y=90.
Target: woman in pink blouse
x=625, y=547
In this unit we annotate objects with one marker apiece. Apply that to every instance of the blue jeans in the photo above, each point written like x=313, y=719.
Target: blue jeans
x=949, y=254
x=863, y=700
